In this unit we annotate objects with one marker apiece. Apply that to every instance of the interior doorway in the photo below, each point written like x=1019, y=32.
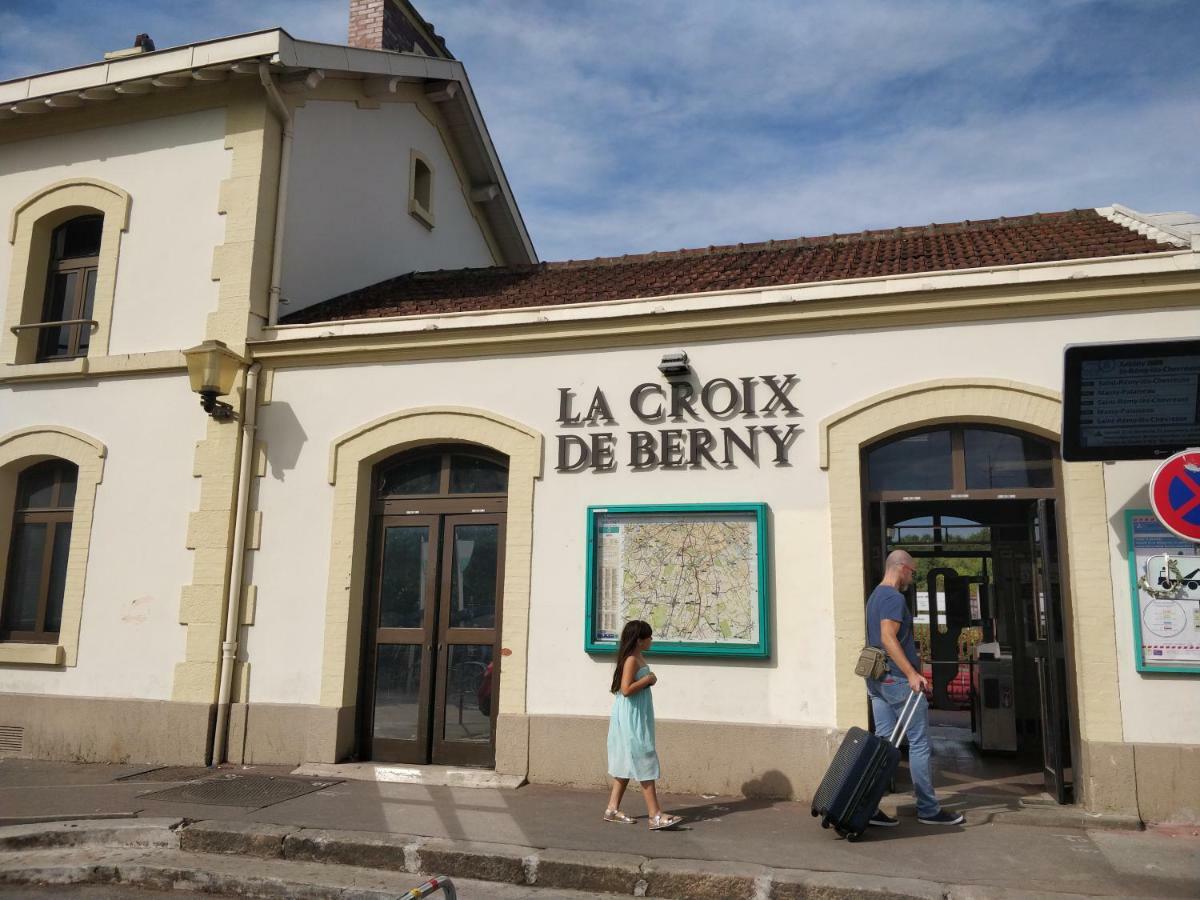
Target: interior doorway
x=431, y=632
x=978, y=509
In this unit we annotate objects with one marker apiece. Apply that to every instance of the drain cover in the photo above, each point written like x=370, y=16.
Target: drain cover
x=169, y=773
x=255, y=791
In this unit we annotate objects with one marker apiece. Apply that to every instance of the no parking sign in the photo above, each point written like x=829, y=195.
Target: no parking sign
x=1175, y=494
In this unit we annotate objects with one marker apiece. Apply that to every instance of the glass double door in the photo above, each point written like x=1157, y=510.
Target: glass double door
x=1046, y=645
x=1012, y=549
x=432, y=662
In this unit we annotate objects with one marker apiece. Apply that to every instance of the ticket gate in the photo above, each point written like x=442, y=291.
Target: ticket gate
x=994, y=708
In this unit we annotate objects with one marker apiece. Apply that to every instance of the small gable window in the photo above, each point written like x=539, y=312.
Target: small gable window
x=70, y=289
x=420, y=196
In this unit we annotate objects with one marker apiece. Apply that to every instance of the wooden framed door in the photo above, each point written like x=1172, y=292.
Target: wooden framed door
x=431, y=630
x=468, y=670
x=402, y=617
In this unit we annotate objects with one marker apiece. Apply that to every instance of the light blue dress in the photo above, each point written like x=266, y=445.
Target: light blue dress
x=631, y=752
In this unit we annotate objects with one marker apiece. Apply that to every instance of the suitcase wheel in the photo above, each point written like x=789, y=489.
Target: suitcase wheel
x=852, y=837
x=824, y=823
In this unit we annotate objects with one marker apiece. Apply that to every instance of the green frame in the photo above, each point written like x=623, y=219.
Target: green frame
x=1138, y=658
x=759, y=650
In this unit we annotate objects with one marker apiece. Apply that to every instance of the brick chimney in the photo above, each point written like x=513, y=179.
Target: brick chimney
x=393, y=25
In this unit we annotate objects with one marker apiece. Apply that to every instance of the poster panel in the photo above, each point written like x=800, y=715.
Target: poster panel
x=1166, y=630
x=696, y=572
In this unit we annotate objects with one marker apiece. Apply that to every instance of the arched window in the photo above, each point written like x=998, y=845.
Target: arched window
x=71, y=288
x=37, y=560
x=960, y=459
x=445, y=471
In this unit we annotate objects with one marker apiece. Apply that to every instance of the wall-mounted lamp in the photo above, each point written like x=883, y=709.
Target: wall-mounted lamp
x=675, y=364
x=212, y=368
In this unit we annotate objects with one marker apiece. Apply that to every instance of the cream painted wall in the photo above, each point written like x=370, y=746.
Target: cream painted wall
x=172, y=168
x=130, y=636
x=1156, y=708
x=312, y=407
x=347, y=223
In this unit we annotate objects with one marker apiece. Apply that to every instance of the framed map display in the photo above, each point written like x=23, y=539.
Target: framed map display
x=1166, y=630
x=696, y=572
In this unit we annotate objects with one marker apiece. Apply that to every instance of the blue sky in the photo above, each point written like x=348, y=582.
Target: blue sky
x=659, y=124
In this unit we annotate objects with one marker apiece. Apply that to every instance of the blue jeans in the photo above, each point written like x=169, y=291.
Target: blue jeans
x=887, y=702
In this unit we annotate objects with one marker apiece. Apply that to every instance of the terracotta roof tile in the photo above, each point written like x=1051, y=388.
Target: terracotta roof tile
x=1042, y=237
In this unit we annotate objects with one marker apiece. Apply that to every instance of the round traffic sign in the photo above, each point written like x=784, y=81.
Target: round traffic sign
x=1175, y=494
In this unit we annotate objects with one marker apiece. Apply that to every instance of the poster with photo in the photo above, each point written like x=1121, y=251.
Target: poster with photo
x=1166, y=629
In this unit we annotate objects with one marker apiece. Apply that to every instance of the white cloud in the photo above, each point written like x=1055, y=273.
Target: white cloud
x=630, y=126
x=1028, y=162
x=34, y=38
x=627, y=126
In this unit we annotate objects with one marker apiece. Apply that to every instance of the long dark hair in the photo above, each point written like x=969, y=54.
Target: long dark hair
x=634, y=631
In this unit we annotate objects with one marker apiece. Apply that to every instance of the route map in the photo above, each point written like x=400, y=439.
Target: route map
x=694, y=578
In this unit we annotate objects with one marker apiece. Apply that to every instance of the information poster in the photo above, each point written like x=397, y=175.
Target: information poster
x=1166, y=629
x=697, y=574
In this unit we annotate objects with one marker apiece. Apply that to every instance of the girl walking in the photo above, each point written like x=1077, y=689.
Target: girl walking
x=631, y=752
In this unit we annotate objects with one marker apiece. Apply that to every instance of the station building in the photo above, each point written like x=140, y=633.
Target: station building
x=387, y=550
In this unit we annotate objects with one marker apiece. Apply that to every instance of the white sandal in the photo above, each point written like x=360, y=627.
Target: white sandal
x=615, y=815
x=663, y=820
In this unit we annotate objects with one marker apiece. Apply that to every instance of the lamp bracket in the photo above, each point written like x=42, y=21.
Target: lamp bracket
x=218, y=409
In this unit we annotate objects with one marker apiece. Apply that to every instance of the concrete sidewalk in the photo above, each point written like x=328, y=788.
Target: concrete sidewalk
x=747, y=840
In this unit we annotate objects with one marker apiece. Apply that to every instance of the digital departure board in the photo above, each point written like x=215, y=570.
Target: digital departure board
x=1130, y=400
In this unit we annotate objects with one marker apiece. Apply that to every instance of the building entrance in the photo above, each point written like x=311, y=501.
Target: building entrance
x=431, y=672
x=978, y=511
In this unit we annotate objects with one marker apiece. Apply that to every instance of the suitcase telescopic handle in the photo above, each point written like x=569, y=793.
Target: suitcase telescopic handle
x=906, y=717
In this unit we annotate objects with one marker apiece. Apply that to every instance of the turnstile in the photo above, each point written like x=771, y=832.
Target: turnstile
x=994, y=704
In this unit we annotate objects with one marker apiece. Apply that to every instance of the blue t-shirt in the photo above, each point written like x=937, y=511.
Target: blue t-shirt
x=888, y=603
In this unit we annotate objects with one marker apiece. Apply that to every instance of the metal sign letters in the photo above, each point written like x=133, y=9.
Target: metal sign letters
x=680, y=403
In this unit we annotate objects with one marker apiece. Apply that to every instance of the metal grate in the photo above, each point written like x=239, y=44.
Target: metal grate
x=11, y=738
x=251, y=791
x=168, y=773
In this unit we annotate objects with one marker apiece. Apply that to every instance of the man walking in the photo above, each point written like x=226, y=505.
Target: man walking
x=890, y=628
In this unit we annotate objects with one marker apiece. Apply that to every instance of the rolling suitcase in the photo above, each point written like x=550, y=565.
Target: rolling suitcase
x=859, y=776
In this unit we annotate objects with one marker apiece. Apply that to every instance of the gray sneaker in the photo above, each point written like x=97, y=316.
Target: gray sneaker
x=941, y=817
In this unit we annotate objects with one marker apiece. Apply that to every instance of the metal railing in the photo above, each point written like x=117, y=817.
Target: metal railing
x=17, y=329
x=434, y=884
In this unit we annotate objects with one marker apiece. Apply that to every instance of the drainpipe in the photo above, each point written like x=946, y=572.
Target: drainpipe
x=229, y=643
x=275, y=99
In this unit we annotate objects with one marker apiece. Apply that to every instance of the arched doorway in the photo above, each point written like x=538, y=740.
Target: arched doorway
x=977, y=506
x=431, y=633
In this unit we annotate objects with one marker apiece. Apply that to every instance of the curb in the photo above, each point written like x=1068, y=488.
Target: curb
x=149, y=833
x=1065, y=817
x=193, y=874
x=64, y=817
x=285, y=852
x=431, y=776
x=1048, y=815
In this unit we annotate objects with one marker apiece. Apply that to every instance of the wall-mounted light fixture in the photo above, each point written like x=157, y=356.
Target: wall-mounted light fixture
x=675, y=364
x=212, y=369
